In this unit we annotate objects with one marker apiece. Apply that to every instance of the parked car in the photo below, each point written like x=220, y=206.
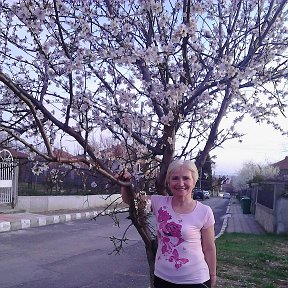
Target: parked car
x=198, y=194
x=206, y=194
x=226, y=195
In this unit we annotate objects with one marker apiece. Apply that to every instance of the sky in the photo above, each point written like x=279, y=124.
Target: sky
x=262, y=145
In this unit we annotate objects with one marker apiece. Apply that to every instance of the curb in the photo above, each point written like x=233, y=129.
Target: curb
x=225, y=221
x=43, y=220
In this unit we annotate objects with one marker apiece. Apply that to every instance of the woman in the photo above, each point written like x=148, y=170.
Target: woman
x=186, y=254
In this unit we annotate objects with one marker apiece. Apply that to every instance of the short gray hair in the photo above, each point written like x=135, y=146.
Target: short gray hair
x=189, y=164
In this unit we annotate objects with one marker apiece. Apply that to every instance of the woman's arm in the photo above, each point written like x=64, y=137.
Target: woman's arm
x=126, y=192
x=209, y=250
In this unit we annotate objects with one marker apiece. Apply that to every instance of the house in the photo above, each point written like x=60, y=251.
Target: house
x=283, y=167
x=75, y=178
x=227, y=187
x=58, y=178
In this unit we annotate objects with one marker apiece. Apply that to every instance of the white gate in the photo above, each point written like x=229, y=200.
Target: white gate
x=6, y=177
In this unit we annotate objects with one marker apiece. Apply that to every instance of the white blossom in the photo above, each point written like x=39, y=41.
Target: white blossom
x=138, y=70
x=39, y=168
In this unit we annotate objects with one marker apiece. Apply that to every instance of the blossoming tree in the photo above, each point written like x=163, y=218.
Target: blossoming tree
x=159, y=75
x=253, y=173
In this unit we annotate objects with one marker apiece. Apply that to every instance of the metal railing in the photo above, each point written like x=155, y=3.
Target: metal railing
x=6, y=177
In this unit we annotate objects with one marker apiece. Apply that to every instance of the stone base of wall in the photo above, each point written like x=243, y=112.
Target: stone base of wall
x=264, y=216
x=282, y=215
x=53, y=203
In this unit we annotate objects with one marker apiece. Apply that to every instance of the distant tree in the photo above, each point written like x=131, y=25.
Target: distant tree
x=218, y=181
x=55, y=179
x=160, y=76
x=253, y=173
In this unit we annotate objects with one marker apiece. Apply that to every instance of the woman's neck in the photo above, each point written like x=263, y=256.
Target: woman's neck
x=183, y=205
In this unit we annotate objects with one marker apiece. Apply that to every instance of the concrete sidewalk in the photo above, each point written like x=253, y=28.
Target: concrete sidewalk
x=234, y=221
x=239, y=222
x=11, y=219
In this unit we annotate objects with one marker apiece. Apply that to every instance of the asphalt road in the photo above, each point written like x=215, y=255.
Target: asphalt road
x=219, y=207
x=78, y=254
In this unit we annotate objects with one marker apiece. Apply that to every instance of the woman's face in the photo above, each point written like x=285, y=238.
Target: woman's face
x=181, y=182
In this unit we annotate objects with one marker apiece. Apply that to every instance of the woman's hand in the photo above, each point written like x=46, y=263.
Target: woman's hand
x=125, y=176
x=213, y=279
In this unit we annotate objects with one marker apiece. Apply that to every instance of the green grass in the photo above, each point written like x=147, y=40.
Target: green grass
x=247, y=260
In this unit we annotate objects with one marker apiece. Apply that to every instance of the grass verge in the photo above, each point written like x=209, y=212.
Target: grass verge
x=248, y=260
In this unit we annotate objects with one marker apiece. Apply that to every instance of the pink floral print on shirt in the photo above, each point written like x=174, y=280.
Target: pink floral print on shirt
x=170, y=238
x=178, y=261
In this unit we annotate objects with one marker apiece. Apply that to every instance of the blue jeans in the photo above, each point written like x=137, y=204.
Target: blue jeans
x=160, y=283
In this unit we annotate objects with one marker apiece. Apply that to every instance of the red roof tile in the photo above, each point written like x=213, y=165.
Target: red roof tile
x=16, y=154
x=283, y=164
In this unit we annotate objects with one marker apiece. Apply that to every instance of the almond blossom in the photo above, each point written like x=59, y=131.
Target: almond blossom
x=147, y=73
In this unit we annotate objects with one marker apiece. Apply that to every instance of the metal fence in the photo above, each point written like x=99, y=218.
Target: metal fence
x=6, y=177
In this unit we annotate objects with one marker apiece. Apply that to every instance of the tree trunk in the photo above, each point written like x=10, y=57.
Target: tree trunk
x=151, y=254
x=138, y=217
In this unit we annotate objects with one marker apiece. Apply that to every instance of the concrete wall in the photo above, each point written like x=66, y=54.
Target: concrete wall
x=282, y=215
x=274, y=220
x=265, y=217
x=52, y=203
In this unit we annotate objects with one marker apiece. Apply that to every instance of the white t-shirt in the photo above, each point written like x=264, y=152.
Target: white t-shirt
x=179, y=257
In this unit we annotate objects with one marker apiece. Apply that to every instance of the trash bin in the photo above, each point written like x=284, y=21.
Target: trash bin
x=241, y=201
x=246, y=204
